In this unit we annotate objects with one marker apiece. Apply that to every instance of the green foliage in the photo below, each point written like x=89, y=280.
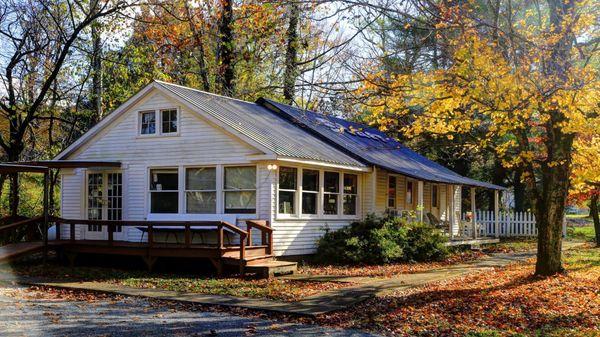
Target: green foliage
x=382, y=240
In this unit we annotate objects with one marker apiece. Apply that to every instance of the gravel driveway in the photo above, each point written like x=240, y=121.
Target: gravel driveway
x=25, y=313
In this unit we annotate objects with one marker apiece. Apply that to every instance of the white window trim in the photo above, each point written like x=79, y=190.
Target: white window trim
x=298, y=215
x=158, y=123
x=181, y=191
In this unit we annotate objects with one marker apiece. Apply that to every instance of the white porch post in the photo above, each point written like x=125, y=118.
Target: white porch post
x=451, y=213
x=496, y=213
x=420, y=204
x=473, y=213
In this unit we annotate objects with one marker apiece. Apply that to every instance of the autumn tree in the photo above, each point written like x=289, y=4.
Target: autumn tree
x=524, y=81
x=37, y=39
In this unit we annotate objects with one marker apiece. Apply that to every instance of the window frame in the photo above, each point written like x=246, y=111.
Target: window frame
x=297, y=192
x=337, y=194
x=150, y=191
x=177, y=124
x=141, y=121
x=437, y=196
x=410, y=206
x=387, y=203
x=158, y=129
x=186, y=189
x=344, y=194
x=320, y=193
x=224, y=190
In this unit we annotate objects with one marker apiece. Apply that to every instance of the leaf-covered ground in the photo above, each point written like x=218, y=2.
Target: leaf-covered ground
x=276, y=289
x=501, y=302
x=387, y=270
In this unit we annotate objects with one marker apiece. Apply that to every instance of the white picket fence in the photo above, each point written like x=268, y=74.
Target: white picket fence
x=511, y=223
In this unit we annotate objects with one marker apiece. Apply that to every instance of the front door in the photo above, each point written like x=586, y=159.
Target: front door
x=104, y=202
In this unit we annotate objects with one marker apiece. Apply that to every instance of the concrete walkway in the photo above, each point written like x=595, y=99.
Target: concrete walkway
x=22, y=313
x=314, y=305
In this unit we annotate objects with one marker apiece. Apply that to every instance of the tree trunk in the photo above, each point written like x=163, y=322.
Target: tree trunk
x=519, y=192
x=291, y=65
x=96, y=64
x=225, y=57
x=594, y=209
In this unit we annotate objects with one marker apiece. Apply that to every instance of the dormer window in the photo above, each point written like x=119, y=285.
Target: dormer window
x=159, y=122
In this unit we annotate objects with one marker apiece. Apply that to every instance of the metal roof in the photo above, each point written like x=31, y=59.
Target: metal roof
x=263, y=126
x=372, y=146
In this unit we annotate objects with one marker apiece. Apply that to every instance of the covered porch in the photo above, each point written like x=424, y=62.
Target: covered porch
x=438, y=203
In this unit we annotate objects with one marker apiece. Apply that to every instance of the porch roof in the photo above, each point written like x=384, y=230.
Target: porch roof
x=69, y=163
x=6, y=168
x=371, y=146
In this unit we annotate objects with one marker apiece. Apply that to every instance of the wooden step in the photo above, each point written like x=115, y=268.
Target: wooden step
x=268, y=269
x=14, y=251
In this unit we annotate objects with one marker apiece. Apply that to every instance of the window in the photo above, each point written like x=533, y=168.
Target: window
x=392, y=192
x=350, y=193
x=331, y=184
x=164, y=191
x=310, y=191
x=287, y=190
x=148, y=122
x=434, y=196
x=201, y=190
x=169, y=121
x=409, y=193
x=239, y=187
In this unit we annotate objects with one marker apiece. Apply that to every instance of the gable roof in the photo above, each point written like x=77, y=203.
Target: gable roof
x=251, y=122
x=372, y=146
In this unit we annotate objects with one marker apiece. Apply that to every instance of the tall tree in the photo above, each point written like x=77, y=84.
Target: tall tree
x=524, y=84
x=37, y=39
x=225, y=49
x=291, y=54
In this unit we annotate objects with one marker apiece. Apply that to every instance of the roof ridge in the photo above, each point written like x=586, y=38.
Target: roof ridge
x=204, y=92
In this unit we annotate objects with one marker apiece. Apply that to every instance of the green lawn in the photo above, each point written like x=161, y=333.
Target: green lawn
x=586, y=233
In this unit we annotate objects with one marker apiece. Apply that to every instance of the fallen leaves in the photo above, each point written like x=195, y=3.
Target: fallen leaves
x=508, y=301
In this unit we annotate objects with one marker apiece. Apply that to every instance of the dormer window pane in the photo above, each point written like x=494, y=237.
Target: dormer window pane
x=169, y=121
x=148, y=122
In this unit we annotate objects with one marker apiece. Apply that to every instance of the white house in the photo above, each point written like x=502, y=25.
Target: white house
x=188, y=155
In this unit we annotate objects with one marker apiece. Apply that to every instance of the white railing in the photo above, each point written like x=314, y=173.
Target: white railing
x=510, y=223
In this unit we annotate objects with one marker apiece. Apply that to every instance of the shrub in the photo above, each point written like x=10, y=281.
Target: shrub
x=381, y=240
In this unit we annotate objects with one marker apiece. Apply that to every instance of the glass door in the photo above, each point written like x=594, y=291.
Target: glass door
x=104, y=202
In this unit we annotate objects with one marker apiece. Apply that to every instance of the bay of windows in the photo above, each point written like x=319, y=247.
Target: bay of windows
x=202, y=189
x=337, y=196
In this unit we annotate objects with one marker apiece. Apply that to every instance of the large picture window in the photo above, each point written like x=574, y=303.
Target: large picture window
x=287, y=190
x=331, y=184
x=239, y=187
x=310, y=191
x=164, y=191
x=201, y=190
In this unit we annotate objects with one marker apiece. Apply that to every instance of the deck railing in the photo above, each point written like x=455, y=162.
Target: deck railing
x=245, y=239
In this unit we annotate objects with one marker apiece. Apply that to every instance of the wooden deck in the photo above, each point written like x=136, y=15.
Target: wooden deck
x=241, y=254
